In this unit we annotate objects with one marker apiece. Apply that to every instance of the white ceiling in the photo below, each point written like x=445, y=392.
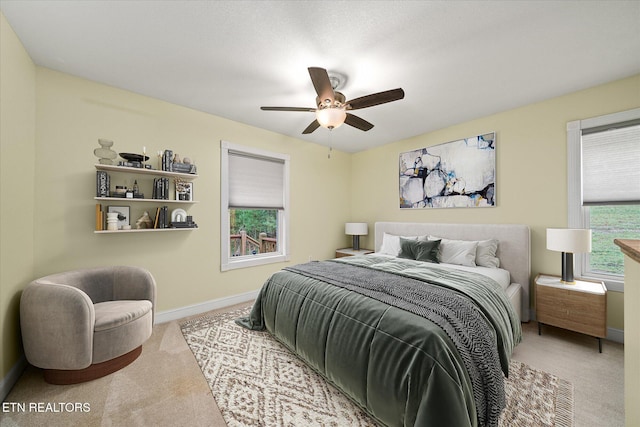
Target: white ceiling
x=455, y=60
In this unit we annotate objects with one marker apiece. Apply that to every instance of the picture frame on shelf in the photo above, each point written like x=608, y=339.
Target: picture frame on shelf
x=124, y=215
x=184, y=191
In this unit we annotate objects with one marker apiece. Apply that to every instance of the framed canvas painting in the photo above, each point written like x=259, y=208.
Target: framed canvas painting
x=450, y=175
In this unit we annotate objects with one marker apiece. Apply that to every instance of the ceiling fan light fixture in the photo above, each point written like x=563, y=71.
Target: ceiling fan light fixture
x=331, y=117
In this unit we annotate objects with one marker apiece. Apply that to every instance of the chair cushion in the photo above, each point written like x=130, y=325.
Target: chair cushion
x=112, y=314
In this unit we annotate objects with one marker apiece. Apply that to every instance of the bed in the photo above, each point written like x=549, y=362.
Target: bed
x=411, y=342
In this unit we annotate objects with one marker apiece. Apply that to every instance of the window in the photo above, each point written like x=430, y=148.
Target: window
x=254, y=216
x=604, y=190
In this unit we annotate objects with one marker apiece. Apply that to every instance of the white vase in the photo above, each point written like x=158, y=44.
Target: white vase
x=112, y=221
x=105, y=154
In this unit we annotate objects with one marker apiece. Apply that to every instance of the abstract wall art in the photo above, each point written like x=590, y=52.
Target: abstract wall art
x=451, y=175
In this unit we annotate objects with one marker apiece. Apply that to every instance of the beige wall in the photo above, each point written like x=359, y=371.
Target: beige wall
x=73, y=113
x=17, y=143
x=531, y=171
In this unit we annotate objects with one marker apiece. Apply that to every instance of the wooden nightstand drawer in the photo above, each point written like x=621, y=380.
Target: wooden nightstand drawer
x=573, y=322
x=574, y=305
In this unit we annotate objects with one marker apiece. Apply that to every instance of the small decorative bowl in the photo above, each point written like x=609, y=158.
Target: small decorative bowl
x=133, y=157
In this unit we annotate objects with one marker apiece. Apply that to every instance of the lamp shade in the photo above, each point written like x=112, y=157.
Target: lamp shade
x=356, y=228
x=571, y=240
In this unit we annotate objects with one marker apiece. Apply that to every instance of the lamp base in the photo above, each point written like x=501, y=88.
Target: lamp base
x=567, y=268
x=356, y=242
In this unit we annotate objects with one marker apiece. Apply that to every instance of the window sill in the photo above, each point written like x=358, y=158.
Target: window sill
x=615, y=285
x=252, y=261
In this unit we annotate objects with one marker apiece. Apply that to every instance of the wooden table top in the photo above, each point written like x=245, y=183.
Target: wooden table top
x=629, y=247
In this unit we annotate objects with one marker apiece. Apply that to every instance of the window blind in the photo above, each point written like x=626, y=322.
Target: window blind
x=255, y=182
x=611, y=164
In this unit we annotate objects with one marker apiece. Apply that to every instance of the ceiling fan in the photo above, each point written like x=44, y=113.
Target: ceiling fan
x=332, y=108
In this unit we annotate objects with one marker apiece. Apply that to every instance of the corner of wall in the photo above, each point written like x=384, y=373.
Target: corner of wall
x=17, y=141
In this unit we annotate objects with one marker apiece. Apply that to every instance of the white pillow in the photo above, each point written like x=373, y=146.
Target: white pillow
x=485, y=252
x=458, y=252
x=391, y=244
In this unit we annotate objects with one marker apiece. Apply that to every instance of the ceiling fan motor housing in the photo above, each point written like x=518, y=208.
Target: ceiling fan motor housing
x=338, y=101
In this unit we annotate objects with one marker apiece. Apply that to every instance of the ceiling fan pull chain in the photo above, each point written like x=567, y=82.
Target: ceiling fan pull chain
x=330, y=144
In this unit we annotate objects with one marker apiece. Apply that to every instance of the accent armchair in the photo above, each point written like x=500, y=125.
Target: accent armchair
x=85, y=324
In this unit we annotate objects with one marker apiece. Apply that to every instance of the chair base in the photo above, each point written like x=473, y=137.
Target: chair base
x=91, y=372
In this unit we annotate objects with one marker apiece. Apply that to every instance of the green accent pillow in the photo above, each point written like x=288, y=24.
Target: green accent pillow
x=419, y=250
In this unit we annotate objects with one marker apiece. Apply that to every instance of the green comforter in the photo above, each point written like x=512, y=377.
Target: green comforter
x=400, y=367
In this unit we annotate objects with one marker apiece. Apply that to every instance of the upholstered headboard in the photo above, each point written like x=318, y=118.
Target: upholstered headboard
x=514, y=249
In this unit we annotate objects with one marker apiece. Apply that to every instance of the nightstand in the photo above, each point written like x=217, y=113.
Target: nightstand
x=579, y=307
x=350, y=252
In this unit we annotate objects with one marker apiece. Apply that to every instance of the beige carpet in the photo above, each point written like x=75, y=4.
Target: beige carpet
x=256, y=381
x=165, y=386
x=597, y=378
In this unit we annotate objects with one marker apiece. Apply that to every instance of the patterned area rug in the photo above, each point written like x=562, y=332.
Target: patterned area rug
x=256, y=381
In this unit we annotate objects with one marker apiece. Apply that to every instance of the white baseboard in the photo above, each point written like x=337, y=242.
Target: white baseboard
x=7, y=383
x=192, y=310
x=615, y=335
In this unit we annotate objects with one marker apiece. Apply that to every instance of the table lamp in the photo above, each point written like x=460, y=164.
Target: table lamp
x=568, y=241
x=356, y=229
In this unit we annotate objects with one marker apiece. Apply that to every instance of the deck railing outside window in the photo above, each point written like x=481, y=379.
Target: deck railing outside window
x=243, y=244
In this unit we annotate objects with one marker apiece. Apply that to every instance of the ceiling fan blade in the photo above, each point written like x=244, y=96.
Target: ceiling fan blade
x=288, y=109
x=313, y=126
x=322, y=84
x=358, y=122
x=376, y=99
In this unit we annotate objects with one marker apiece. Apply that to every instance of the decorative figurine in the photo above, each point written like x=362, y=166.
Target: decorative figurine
x=144, y=221
x=105, y=153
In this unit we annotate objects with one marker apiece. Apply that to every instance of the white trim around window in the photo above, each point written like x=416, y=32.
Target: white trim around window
x=578, y=215
x=282, y=254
